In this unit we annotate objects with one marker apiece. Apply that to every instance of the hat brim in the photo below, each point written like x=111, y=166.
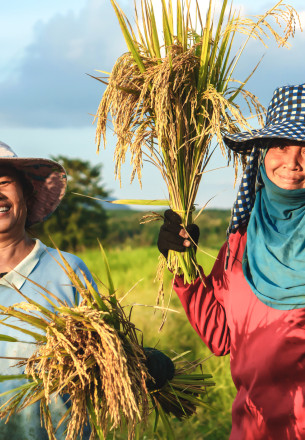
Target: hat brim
x=243, y=142
x=49, y=182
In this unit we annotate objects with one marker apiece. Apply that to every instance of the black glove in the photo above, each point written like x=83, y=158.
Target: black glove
x=169, y=237
x=159, y=366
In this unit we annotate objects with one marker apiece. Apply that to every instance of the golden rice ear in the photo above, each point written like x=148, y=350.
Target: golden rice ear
x=82, y=354
x=174, y=92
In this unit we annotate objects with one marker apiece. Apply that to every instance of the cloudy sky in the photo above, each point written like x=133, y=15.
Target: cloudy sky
x=47, y=101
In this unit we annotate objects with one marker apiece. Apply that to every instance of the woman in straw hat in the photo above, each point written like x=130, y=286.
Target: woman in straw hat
x=30, y=190
x=252, y=305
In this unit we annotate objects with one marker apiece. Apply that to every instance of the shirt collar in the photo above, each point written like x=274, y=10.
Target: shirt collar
x=17, y=276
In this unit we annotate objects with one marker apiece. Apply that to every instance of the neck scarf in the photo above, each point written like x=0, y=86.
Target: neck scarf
x=274, y=258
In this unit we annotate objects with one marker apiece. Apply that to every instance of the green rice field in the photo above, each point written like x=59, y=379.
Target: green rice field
x=133, y=271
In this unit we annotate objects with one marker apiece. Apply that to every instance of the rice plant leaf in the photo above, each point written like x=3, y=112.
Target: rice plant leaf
x=8, y=338
x=147, y=41
x=170, y=435
x=191, y=398
x=72, y=275
x=103, y=71
x=184, y=268
x=217, y=38
x=98, y=79
x=161, y=202
x=142, y=39
x=194, y=376
x=251, y=33
x=156, y=419
x=36, y=397
x=154, y=33
x=171, y=18
x=225, y=67
x=93, y=420
x=43, y=310
x=242, y=86
x=48, y=292
x=205, y=55
x=95, y=295
x=128, y=39
x=64, y=418
x=224, y=53
x=36, y=336
x=180, y=24
x=111, y=288
x=46, y=298
x=23, y=387
x=143, y=202
x=5, y=377
x=167, y=28
x=36, y=322
x=196, y=383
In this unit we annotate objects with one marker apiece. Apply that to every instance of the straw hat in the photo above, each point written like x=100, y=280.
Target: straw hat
x=47, y=177
x=285, y=120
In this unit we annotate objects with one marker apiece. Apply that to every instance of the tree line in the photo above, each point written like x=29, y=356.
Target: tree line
x=80, y=221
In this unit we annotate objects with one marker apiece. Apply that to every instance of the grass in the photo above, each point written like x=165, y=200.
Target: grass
x=137, y=267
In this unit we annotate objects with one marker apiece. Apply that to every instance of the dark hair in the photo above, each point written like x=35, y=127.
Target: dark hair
x=27, y=188
x=26, y=185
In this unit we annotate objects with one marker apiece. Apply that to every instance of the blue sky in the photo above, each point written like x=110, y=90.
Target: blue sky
x=47, y=101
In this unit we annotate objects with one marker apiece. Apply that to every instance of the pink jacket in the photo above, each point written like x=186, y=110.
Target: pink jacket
x=267, y=348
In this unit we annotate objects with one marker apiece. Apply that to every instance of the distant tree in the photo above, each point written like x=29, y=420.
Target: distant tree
x=78, y=221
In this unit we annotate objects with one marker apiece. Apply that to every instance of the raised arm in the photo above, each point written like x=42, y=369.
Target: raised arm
x=203, y=299
x=203, y=305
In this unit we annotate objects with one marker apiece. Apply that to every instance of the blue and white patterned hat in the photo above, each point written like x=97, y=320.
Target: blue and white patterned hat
x=285, y=120
x=246, y=193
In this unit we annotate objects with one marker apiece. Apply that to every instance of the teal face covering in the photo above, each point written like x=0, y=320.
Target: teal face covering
x=274, y=257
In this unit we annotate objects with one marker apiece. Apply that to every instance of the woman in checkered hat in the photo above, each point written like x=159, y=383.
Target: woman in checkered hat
x=252, y=305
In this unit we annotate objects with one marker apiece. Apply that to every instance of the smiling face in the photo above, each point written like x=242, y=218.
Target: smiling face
x=13, y=210
x=285, y=164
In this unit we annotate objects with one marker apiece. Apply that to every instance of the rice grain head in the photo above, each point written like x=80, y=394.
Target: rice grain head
x=87, y=359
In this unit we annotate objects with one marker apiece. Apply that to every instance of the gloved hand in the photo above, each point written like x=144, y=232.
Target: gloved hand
x=173, y=236
x=159, y=366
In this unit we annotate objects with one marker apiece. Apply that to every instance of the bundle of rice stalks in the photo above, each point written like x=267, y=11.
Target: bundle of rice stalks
x=174, y=91
x=92, y=353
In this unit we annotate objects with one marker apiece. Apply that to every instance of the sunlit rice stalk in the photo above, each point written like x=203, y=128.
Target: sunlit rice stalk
x=174, y=91
x=91, y=352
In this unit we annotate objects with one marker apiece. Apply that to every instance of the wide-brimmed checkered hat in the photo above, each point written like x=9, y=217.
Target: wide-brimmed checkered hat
x=47, y=177
x=285, y=120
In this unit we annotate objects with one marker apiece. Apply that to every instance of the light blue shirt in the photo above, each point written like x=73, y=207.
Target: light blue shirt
x=41, y=266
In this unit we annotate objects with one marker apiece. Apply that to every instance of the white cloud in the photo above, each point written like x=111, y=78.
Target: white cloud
x=50, y=86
